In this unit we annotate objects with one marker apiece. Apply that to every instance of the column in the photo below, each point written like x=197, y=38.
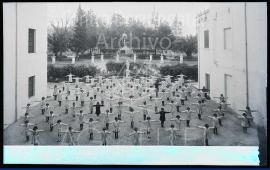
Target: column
x=102, y=57
x=161, y=59
x=181, y=59
x=92, y=59
x=134, y=58
x=150, y=59
x=73, y=60
x=53, y=59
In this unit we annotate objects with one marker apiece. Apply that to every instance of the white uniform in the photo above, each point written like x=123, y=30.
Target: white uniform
x=82, y=96
x=43, y=104
x=91, y=127
x=87, y=79
x=69, y=78
x=172, y=136
x=66, y=104
x=91, y=105
x=116, y=126
x=59, y=97
x=188, y=113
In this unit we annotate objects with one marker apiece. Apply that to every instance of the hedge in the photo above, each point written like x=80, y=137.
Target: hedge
x=190, y=71
x=114, y=68
x=119, y=69
x=56, y=74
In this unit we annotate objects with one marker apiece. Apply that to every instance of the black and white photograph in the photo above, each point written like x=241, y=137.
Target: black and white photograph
x=135, y=74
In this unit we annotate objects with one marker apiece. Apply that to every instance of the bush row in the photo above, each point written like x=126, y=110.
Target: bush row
x=190, y=71
x=56, y=74
x=119, y=69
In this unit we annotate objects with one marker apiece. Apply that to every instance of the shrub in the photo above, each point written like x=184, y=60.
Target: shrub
x=85, y=56
x=116, y=68
x=62, y=58
x=58, y=73
x=136, y=69
x=108, y=56
x=190, y=71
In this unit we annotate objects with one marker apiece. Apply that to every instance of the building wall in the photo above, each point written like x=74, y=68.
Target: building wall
x=9, y=49
x=29, y=15
x=218, y=61
x=257, y=59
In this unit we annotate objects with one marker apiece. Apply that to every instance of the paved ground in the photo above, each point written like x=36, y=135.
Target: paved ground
x=229, y=135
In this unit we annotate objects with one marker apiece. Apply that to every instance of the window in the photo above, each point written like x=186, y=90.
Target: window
x=31, y=86
x=206, y=39
x=227, y=38
x=31, y=40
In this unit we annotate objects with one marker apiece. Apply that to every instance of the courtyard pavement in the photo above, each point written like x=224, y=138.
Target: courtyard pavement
x=230, y=134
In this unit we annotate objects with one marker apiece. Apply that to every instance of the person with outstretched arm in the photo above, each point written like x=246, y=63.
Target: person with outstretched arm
x=162, y=116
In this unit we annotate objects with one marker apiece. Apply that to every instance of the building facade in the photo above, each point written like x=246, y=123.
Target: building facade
x=25, y=57
x=232, y=54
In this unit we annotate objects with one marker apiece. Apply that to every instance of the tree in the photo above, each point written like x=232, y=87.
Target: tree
x=190, y=45
x=164, y=33
x=91, y=30
x=176, y=26
x=103, y=34
x=186, y=44
x=79, y=39
x=58, y=38
x=155, y=19
x=137, y=30
x=118, y=27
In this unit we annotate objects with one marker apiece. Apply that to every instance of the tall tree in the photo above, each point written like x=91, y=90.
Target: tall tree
x=165, y=36
x=155, y=19
x=103, y=34
x=137, y=31
x=58, y=37
x=186, y=44
x=190, y=45
x=91, y=30
x=177, y=26
x=118, y=27
x=79, y=39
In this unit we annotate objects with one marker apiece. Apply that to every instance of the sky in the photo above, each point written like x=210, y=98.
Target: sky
x=186, y=11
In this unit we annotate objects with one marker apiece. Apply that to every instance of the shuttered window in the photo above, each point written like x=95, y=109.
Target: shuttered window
x=206, y=39
x=31, y=86
x=31, y=40
x=227, y=38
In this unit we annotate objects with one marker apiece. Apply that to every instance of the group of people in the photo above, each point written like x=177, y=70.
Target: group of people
x=132, y=97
